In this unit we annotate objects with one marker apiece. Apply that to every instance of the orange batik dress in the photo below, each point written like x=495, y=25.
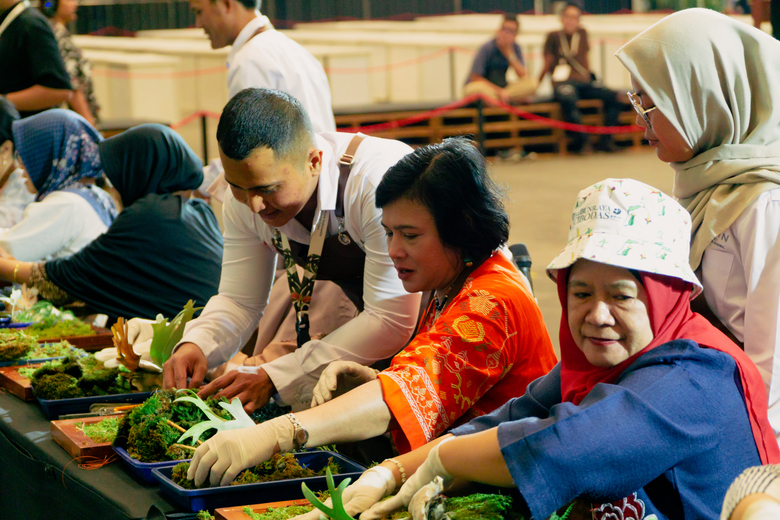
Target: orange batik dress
x=484, y=349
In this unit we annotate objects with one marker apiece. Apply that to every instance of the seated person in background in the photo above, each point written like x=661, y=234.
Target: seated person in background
x=488, y=73
x=60, y=13
x=480, y=341
x=161, y=251
x=288, y=194
x=14, y=196
x=652, y=411
x=32, y=74
x=58, y=150
x=755, y=495
x=566, y=60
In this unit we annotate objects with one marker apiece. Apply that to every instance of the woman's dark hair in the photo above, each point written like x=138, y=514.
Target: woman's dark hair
x=450, y=179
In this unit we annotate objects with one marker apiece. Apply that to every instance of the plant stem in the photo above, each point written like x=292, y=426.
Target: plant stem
x=184, y=447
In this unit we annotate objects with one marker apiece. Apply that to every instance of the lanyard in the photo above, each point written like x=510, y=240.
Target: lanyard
x=20, y=7
x=301, y=288
x=569, y=53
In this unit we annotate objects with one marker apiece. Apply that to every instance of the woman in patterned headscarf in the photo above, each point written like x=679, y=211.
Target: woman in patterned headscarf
x=479, y=342
x=706, y=92
x=161, y=251
x=58, y=150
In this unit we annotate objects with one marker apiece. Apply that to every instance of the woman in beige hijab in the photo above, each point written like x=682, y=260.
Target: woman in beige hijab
x=704, y=87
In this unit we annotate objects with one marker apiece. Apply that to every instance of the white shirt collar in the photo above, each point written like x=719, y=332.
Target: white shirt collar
x=247, y=32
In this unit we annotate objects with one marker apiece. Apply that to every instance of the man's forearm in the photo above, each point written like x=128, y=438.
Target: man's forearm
x=38, y=97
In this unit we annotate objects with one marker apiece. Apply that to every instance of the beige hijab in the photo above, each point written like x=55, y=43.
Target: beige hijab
x=714, y=78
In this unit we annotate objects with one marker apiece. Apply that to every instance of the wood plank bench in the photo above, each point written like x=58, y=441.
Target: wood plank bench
x=501, y=129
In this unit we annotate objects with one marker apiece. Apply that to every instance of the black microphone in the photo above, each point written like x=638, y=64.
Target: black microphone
x=522, y=259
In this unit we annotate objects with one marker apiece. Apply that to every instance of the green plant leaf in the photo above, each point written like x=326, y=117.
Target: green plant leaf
x=337, y=512
x=167, y=335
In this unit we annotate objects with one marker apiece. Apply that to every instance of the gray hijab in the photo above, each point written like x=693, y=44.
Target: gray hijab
x=714, y=78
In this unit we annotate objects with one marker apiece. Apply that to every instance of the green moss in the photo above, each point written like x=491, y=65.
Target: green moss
x=179, y=475
x=50, y=350
x=102, y=431
x=478, y=507
x=14, y=344
x=278, y=513
x=204, y=515
x=59, y=330
x=149, y=440
x=56, y=386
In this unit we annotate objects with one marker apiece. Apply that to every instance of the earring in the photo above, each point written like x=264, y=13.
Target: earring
x=468, y=261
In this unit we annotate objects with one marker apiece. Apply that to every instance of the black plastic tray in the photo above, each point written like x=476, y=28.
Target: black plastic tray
x=226, y=496
x=55, y=407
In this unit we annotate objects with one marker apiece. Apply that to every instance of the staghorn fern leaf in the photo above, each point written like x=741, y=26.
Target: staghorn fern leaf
x=235, y=408
x=167, y=335
x=337, y=512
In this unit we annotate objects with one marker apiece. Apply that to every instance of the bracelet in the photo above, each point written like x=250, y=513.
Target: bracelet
x=16, y=271
x=400, y=469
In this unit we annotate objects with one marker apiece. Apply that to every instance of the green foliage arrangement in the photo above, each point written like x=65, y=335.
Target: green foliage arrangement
x=14, y=344
x=282, y=466
x=147, y=434
x=77, y=377
x=50, y=350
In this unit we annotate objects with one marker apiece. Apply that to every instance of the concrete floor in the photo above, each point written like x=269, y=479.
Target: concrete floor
x=540, y=197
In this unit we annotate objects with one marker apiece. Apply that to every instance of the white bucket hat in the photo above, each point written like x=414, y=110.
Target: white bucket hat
x=626, y=223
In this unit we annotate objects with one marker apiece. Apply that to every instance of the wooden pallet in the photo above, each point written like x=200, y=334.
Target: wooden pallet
x=237, y=512
x=501, y=129
x=73, y=440
x=11, y=380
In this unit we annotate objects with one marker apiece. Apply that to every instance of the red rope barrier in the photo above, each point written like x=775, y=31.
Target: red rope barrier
x=553, y=123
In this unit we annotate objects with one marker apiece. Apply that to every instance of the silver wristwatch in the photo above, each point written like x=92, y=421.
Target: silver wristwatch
x=301, y=436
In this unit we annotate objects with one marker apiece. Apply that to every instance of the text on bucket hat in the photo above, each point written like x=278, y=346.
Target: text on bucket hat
x=626, y=223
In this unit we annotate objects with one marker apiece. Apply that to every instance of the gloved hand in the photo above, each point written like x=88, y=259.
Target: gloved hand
x=139, y=330
x=428, y=497
x=229, y=452
x=373, y=485
x=342, y=376
x=425, y=474
x=110, y=359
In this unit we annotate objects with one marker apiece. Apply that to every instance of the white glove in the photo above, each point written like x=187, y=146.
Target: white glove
x=342, y=376
x=423, y=500
x=139, y=330
x=762, y=510
x=372, y=486
x=229, y=452
x=425, y=474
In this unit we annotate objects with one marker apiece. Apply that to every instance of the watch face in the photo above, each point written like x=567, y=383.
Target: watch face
x=301, y=437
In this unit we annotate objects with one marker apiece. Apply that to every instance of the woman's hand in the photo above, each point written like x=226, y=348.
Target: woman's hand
x=229, y=452
x=372, y=486
x=341, y=375
x=425, y=474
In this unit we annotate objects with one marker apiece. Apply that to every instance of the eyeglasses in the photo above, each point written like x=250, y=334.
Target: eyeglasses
x=636, y=102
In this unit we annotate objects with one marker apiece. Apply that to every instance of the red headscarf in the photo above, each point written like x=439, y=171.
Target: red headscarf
x=671, y=318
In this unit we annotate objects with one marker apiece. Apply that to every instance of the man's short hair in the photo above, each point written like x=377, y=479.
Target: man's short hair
x=260, y=117
x=510, y=17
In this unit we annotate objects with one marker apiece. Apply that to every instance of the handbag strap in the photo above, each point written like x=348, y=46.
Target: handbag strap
x=15, y=12
x=345, y=167
x=568, y=53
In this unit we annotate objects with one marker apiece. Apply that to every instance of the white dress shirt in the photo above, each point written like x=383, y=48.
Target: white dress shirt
x=272, y=60
x=741, y=278
x=389, y=314
x=56, y=227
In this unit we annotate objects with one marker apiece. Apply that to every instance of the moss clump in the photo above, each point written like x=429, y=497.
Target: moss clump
x=282, y=466
x=204, y=515
x=77, y=377
x=56, y=386
x=278, y=513
x=51, y=350
x=149, y=440
x=14, y=344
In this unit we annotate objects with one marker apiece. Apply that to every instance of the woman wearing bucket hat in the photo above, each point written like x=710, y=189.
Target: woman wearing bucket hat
x=704, y=90
x=651, y=412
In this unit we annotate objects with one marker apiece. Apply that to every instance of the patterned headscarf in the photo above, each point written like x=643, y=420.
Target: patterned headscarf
x=58, y=148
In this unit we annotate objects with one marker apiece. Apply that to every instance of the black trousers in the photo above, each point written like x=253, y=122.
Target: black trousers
x=774, y=17
x=569, y=92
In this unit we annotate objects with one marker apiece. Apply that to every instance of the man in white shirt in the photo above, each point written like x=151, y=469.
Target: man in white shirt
x=284, y=181
x=264, y=57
